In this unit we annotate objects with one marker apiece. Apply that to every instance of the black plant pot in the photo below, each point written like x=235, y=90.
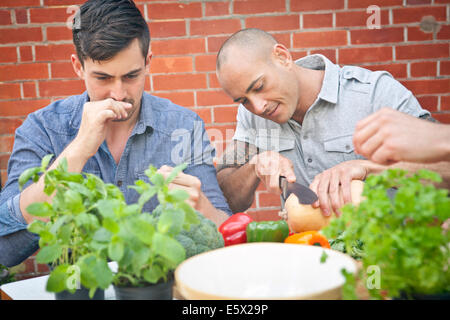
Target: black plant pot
x=80, y=294
x=158, y=291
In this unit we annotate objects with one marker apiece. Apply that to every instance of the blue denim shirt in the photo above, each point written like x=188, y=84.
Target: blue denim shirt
x=165, y=134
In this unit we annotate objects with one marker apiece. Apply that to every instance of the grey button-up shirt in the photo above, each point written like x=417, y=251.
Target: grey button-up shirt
x=165, y=134
x=324, y=139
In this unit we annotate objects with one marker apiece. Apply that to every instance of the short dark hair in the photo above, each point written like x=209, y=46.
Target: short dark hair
x=102, y=28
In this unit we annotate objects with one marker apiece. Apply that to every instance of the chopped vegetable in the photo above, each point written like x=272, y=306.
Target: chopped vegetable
x=267, y=231
x=233, y=229
x=312, y=238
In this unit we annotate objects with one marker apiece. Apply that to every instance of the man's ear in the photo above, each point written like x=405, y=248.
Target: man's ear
x=147, y=61
x=77, y=66
x=282, y=54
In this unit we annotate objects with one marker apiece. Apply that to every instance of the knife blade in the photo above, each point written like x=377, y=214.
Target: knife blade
x=304, y=194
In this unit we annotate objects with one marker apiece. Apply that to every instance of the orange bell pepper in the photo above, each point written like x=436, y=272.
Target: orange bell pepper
x=312, y=238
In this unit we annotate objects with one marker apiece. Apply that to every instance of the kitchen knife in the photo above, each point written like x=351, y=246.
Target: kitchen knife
x=304, y=194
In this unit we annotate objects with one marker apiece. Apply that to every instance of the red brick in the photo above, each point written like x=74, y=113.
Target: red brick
x=427, y=86
x=302, y=5
x=283, y=38
x=214, y=43
x=384, y=35
x=222, y=26
x=444, y=68
x=269, y=199
x=182, y=98
x=444, y=32
x=20, y=108
x=178, y=46
x=320, y=39
x=428, y=102
x=171, y=64
x=21, y=16
x=422, y=51
x=442, y=117
x=415, y=14
x=329, y=53
x=445, y=103
x=298, y=54
x=8, y=126
x=4, y=158
x=4, y=177
x=225, y=114
x=59, y=33
x=5, y=17
x=24, y=71
x=359, y=18
x=274, y=23
x=174, y=10
x=204, y=113
x=398, y=70
x=366, y=3
x=417, y=2
x=20, y=3
x=9, y=90
x=258, y=6
x=161, y=29
x=179, y=81
x=6, y=143
x=64, y=2
x=359, y=55
x=213, y=98
x=416, y=34
x=60, y=88
x=20, y=35
x=8, y=54
x=62, y=70
x=54, y=52
x=205, y=63
x=264, y=215
x=424, y=69
x=213, y=81
x=220, y=132
x=26, y=54
x=48, y=15
x=217, y=8
x=317, y=20
x=29, y=89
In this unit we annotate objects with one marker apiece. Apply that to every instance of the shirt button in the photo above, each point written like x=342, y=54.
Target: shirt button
x=347, y=147
x=119, y=183
x=305, y=137
x=309, y=160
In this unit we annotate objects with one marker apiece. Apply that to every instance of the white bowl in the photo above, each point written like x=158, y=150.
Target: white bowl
x=263, y=270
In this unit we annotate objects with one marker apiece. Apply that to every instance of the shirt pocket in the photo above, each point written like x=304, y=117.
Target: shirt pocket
x=278, y=144
x=341, y=148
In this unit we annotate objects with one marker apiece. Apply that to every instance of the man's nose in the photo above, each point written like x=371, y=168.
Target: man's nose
x=118, y=91
x=258, y=103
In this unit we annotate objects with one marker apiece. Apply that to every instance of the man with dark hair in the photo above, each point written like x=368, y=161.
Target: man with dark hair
x=114, y=130
x=297, y=119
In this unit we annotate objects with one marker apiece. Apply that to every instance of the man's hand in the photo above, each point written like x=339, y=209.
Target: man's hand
x=390, y=136
x=333, y=186
x=93, y=127
x=269, y=166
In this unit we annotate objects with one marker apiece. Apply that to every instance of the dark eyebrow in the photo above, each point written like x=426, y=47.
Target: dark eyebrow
x=252, y=84
x=99, y=73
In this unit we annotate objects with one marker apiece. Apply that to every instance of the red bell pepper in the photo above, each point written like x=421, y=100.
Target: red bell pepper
x=233, y=229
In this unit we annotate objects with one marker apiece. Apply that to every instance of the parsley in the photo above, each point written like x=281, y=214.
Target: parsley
x=403, y=236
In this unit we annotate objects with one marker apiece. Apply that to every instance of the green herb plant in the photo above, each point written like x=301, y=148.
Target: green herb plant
x=144, y=246
x=403, y=236
x=71, y=221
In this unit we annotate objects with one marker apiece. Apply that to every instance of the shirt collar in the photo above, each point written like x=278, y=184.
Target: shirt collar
x=330, y=84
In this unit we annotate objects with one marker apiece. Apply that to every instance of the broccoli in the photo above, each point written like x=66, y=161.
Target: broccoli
x=200, y=237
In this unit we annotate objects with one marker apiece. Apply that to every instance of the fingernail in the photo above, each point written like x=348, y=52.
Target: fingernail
x=326, y=213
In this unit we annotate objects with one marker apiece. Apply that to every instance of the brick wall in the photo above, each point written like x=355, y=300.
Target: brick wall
x=35, y=46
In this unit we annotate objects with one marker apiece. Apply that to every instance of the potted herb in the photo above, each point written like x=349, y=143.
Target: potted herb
x=145, y=246
x=404, y=236
x=79, y=265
